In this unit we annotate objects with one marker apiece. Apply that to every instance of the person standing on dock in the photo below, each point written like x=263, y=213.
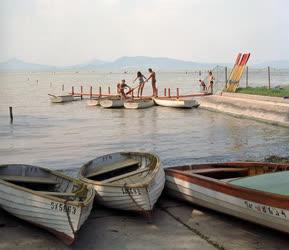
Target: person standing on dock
x=152, y=76
x=203, y=85
x=211, y=79
x=141, y=80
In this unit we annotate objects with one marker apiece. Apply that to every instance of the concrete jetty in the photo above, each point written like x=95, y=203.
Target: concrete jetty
x=174, y=225
x=273, y=110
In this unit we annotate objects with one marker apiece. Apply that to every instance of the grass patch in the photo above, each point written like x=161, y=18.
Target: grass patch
x=277, y=92
x=277, y=159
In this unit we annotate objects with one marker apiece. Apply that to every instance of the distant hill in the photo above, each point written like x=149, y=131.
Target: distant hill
x=129, y=63
x=15, y=64
x=280, y=64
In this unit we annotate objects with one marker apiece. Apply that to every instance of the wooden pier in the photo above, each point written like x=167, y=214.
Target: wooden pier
x=167, y=93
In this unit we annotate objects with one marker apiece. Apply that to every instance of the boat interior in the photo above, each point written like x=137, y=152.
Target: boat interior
x=121, y=168
x=42, y=181
x=232, y=171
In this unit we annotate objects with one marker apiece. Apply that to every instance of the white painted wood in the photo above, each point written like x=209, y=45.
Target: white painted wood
x=228, y=204
x=176, y=103
x=138, y=104
x=111, y=102
x=124, y=193
x=92, y=103
x=46, y=210
x=61, y=98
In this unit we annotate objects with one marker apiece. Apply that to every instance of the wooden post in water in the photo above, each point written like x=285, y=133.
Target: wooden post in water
x=72, y=90
x=269, y=77
x=109, y=90
x=99, y=91
x=247, y=77
x=169, y=92
x=11, y=115
x=62, y=87
x=81, y=92
x=226, y=76
x=157, y=92
x=165, y=91
x=178, y=93
x=90, y=92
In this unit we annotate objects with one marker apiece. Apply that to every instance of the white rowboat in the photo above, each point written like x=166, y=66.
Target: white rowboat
x=92, y=102
x=111, y=102
x=257, y=192
x=45, y=198
x=138, y=103
x=61, y=98
x=128, y=181
x=176, y=102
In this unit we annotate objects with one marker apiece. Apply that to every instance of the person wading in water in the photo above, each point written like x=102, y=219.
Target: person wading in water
x=152, y=76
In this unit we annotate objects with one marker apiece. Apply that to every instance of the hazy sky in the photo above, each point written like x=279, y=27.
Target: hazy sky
x=66, y=32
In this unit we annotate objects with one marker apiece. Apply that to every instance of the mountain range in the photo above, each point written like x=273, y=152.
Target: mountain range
x=125, y=63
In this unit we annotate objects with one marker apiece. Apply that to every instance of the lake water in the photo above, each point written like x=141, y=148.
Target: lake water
x=65, y=136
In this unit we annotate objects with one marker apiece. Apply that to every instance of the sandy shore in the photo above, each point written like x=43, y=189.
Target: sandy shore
x=174, y=225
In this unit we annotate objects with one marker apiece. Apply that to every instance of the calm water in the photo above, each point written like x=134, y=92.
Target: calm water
x=64, y=136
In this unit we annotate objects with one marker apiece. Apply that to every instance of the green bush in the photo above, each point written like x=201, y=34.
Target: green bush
x=278, y=92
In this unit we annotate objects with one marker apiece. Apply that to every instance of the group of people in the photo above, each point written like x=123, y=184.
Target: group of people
x=121, y=87
x=211, y=80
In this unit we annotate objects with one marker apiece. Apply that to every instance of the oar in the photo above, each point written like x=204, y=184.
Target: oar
x=131, y=90
x=233, y=78
x=240, y=73
x=233, y=70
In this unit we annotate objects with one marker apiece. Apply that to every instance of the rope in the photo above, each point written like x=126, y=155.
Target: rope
x=68, y=217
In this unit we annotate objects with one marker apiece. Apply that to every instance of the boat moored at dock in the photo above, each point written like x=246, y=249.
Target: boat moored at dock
x=257, y=192
x=112, y=102
x=138, y=103
x=176, y=102
x=61, y=98
x=127, y=180
x=46, y=198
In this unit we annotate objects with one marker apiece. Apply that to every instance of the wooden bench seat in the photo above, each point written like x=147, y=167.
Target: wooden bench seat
x=114, y=166
x=56, y=193
x=28, y=179
x=117, y=178
x=215, y=170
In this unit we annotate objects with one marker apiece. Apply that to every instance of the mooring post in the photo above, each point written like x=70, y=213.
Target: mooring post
x=165, y=91
x=72, y=90
x=11, y=114
x=81, y=92
x=62, y=87
x=108, y=90
x=157, y=92
x=90, y=92
x=99, y=91
x=226, y=76
x=269, y=78
x=169, y=92
x=247, y=77
x=178, y=93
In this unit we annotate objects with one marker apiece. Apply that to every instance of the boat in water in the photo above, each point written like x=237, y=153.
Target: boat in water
x=257, y=192
x=126, y=180
x=61, y=98
x=138, y=103
x=176, y=102
x=112, y=102
x=46, y=198
x=92, y=103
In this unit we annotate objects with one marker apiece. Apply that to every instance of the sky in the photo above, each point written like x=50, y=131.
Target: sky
x=67, y=32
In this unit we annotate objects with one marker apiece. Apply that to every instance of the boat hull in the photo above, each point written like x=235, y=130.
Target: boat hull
x=238, y=203
x=111, y=103
x=92, y=103
x=60, y=99
x=138, y=104
x=176, y=103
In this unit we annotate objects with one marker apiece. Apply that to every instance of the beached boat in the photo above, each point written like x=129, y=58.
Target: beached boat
x=138, y=103
x=128, y=181
x=257, y=192
x=112, y=102
x=61, y=98
x=45, y=198
x=176, y=102
x=91, y=103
